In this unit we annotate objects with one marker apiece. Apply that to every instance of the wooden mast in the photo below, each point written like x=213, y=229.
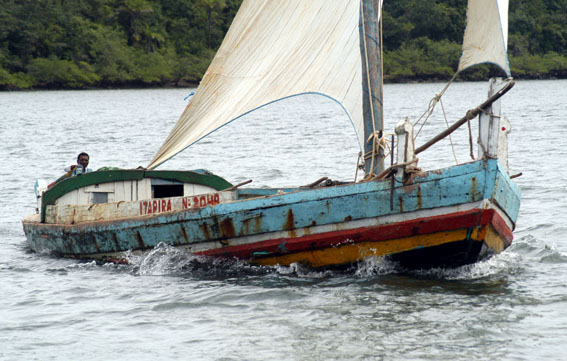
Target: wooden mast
x=372, y=106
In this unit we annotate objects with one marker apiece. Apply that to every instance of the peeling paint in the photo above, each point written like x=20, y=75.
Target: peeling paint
x=282, y=247
x=227, y=228
x=409, y=189
x=245, y=229
x=184, y=233
x=473, y=187
x=205, y=229
x=258, y=223
x=140, y=240
x=289, y=224
x=116, y=242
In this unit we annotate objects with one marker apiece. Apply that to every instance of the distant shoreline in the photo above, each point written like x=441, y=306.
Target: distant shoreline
x=193, y=85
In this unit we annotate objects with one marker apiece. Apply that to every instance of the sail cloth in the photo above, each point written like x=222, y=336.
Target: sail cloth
x=486, y=35
x=276, y=49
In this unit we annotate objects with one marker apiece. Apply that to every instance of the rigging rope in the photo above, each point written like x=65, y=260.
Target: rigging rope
x=450, y=138
x=432, y=103
x=380, y=145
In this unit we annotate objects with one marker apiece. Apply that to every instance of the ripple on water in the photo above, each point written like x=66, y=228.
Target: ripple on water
x=168, y=304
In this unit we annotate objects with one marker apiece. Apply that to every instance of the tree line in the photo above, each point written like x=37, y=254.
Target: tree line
x=135, y=43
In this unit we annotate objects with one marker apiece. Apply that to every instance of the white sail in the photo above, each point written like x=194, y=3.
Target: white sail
x=486, y=35
x=276, y=49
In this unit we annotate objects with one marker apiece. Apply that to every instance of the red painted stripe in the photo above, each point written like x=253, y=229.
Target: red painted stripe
x=449, y=222
x=502, y=228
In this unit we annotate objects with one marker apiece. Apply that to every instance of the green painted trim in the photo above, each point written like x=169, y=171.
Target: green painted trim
x=106, y=176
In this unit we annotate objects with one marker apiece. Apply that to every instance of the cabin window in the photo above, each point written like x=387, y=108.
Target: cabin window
x=100, y=197
x=165, y=189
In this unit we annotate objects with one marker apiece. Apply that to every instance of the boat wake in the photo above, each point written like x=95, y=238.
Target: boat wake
x=166, y=260
x=376, y=266
x=525, y=253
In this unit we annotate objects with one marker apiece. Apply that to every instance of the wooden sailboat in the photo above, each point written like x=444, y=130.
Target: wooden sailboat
x=274, y=50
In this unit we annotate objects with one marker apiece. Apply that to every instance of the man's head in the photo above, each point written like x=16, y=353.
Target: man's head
x=83, y=159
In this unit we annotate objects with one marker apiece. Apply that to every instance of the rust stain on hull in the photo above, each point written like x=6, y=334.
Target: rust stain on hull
x=116, y=243
x=227, y=228
x=184, y=233
x=140, y=240
x=205, y=229
x=258, y=223
x=251, y=225
x=409, y=189
x=473, y=187
x=289, y=224
x=245, y=230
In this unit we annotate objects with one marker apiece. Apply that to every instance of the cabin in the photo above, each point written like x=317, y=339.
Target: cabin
x=123, y=193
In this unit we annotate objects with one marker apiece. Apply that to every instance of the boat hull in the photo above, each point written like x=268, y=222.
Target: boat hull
x=448, y=240
x=445, y=218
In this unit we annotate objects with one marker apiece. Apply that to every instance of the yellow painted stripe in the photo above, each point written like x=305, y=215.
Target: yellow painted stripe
x=494, y=240
x=350, y=253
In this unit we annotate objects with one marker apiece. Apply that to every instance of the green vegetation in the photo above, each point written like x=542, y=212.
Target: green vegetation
x=130, y=43
x=422, y=40
x=109, y=43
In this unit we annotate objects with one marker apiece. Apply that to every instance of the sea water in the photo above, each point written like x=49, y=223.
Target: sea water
x=171, y=305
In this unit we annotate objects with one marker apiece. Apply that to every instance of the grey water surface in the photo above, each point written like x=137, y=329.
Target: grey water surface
x=169, y=305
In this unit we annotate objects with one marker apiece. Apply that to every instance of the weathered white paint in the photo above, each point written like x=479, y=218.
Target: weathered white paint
x=190, y=189
x=144, y=188
x=505, y=129
x=489, y=123
x=36, y=217
x=406, y=146
x=73, y=214
x=85, y=195
x=123, y=191
x=104, y=187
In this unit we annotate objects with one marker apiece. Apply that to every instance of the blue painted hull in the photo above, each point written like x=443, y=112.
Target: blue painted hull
x=241, y=228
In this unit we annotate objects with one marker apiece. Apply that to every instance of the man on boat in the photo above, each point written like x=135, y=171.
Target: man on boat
x=76, y=169
x=80, y=167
